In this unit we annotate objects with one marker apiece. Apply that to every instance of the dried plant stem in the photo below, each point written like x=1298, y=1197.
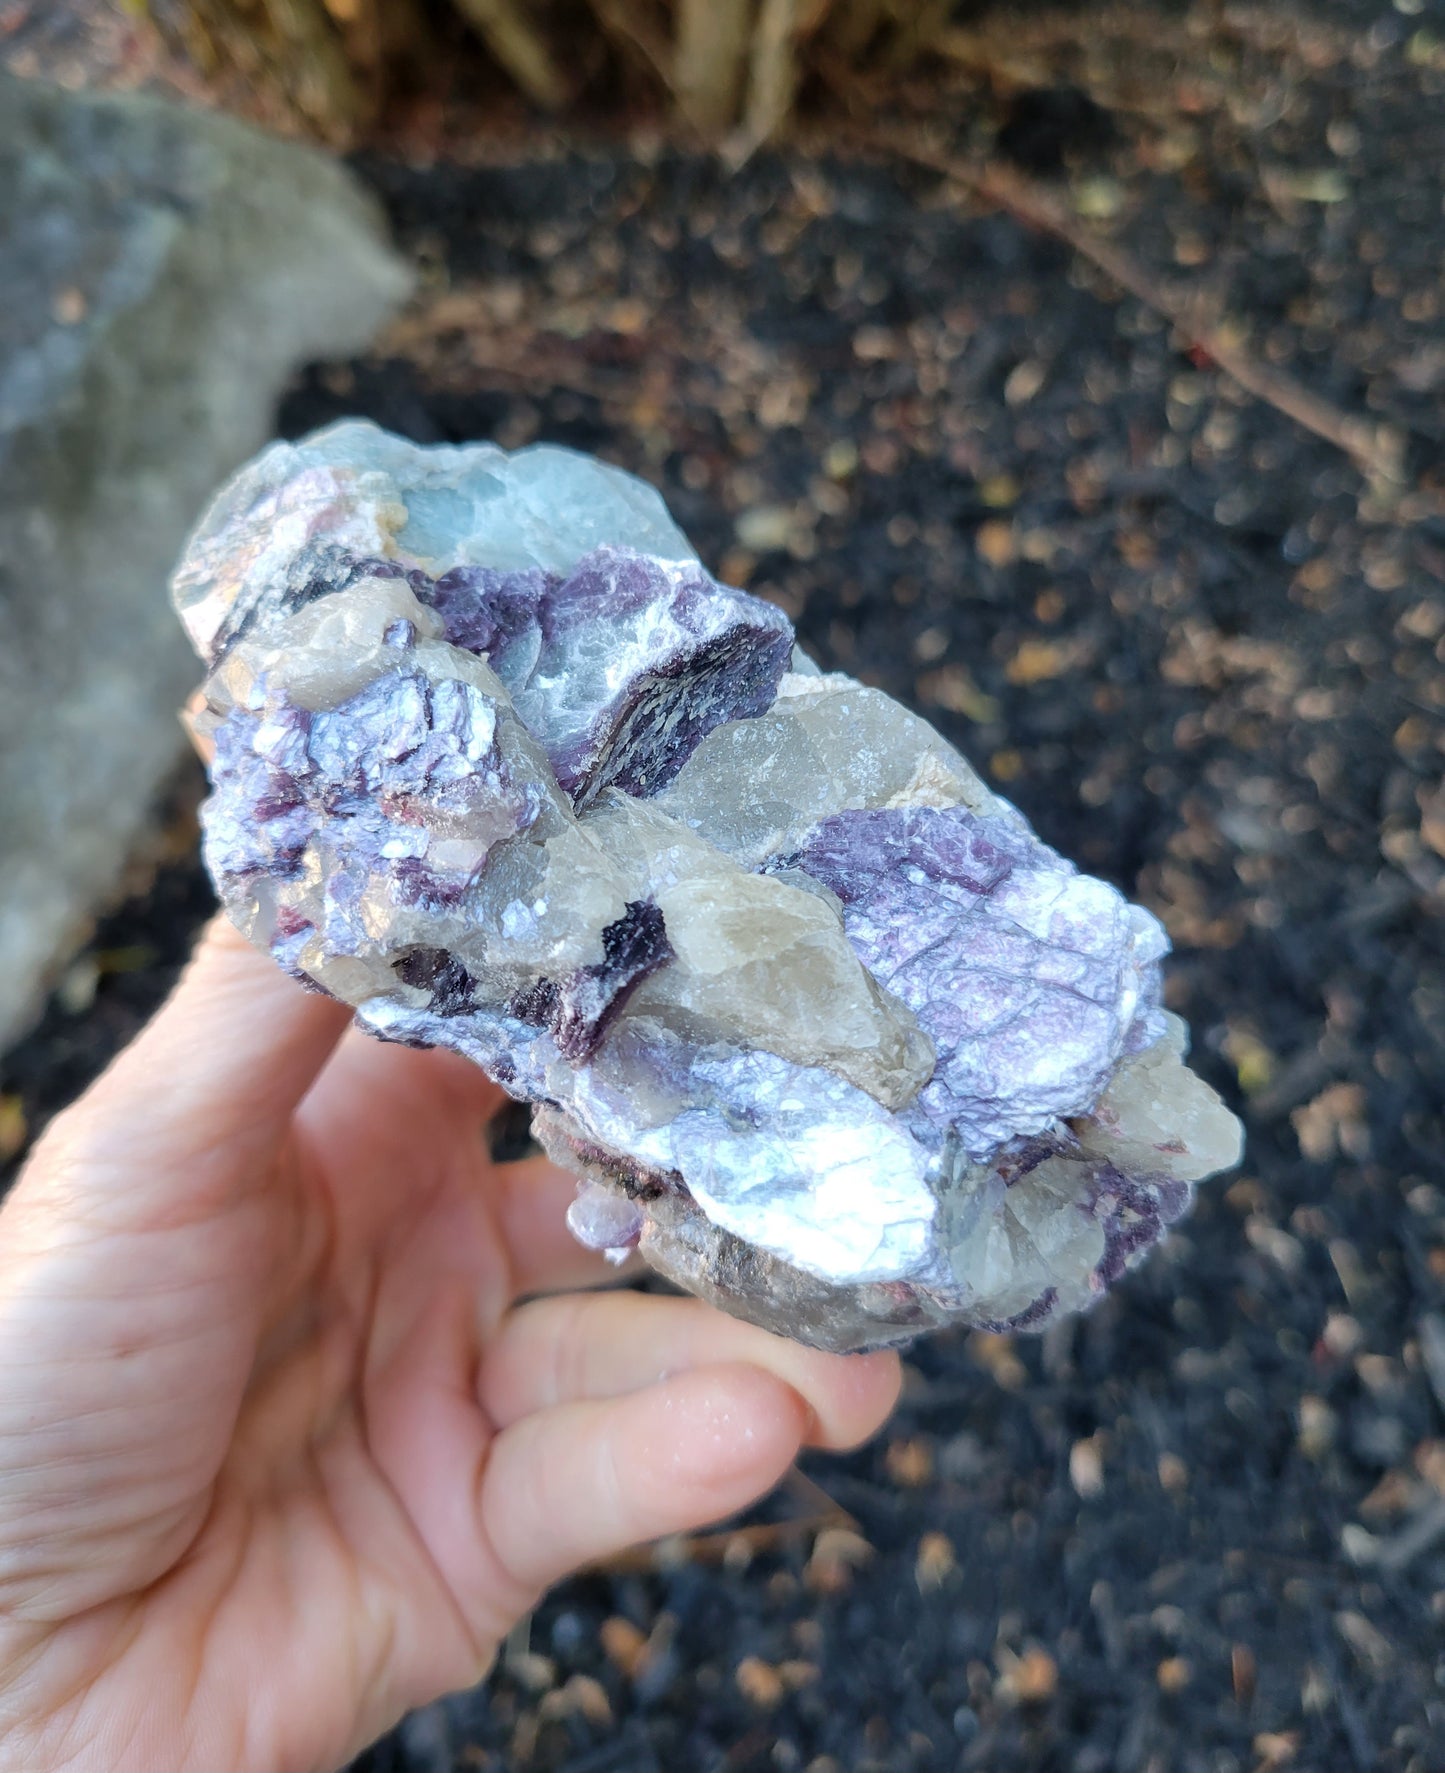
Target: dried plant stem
x=917, y=27
x=709, y=61
x=773, y=71
x=1373, y=448
x=814, y=1512
x=731, y=68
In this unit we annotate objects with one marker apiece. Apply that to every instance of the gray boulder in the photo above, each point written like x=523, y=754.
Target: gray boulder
x=162, y=274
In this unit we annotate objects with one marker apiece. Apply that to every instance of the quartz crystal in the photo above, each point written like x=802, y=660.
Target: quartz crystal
x=831, y=1037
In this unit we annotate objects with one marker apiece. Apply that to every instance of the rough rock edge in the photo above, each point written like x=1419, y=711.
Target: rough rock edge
x=683, y=1245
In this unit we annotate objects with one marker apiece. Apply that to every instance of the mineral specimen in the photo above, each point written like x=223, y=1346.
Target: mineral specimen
x=830, y=1035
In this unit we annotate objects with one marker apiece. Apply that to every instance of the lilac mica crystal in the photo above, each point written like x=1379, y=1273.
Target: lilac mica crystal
x=833, y=1038
x=711, y=655
x=1030, y=978
x=602, y=1219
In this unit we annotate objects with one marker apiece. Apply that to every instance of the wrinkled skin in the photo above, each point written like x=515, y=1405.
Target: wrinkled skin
x=281, y=1454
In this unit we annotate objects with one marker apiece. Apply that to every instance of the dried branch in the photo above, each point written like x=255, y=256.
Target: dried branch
x=815, y=1512
x=1373, y=448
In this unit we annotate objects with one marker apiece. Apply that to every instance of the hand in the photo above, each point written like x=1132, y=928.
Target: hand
x=281, y=1455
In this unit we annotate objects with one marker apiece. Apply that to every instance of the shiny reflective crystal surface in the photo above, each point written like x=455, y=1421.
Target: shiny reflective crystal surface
x=828, y=1033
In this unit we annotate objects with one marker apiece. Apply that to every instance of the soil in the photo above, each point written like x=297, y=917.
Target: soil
x=1202, y=1528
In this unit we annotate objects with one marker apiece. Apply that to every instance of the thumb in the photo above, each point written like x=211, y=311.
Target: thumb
x=197, y=1107
x=135, y=1251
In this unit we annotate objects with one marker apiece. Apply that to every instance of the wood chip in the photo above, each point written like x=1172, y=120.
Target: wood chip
x=1370, y=1645
x=1030, y=1679
x=624, y=1645
x=995, y=1353
x=1243, y=1674
x=952, y=687
x=837, y=1553
x=1174, y=1674
x=935, y=1563
x=1086, y=1467
x=1173, y=1473
x=1024, y=381
x=909, y=1463
x=582, y=1696
x=760, y=1683
x=1318, y=1426
x=1039, y=661
x=796, y=1673
x=996, y=542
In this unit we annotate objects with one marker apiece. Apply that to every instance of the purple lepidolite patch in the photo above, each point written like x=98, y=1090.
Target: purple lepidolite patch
x=1031, y=979
x=621, y=666
x=393, y=798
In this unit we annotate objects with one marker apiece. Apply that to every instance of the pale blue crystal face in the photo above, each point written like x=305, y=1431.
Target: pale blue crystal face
x=356, y=489
x=497, y=762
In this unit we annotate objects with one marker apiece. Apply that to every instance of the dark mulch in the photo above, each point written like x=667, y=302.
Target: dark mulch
x=1202, y=1528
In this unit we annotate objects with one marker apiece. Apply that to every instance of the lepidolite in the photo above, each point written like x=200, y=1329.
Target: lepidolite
x=827, y=1031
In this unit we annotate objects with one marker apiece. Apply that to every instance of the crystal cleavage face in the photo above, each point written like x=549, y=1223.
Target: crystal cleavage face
x=830, y=1034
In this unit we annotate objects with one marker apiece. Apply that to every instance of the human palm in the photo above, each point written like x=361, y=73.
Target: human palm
x=281, y=1454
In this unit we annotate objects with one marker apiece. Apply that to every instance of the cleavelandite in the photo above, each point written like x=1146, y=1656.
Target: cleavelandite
x=831, y=1036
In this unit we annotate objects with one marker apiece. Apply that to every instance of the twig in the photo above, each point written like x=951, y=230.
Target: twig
x=1375, y=451
x=819, y=1511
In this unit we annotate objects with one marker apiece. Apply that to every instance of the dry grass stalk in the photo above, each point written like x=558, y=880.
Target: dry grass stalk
x=917, y=26
x=730, y=67
x=710, y=57
x=1375, y=451
x=773, y=70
